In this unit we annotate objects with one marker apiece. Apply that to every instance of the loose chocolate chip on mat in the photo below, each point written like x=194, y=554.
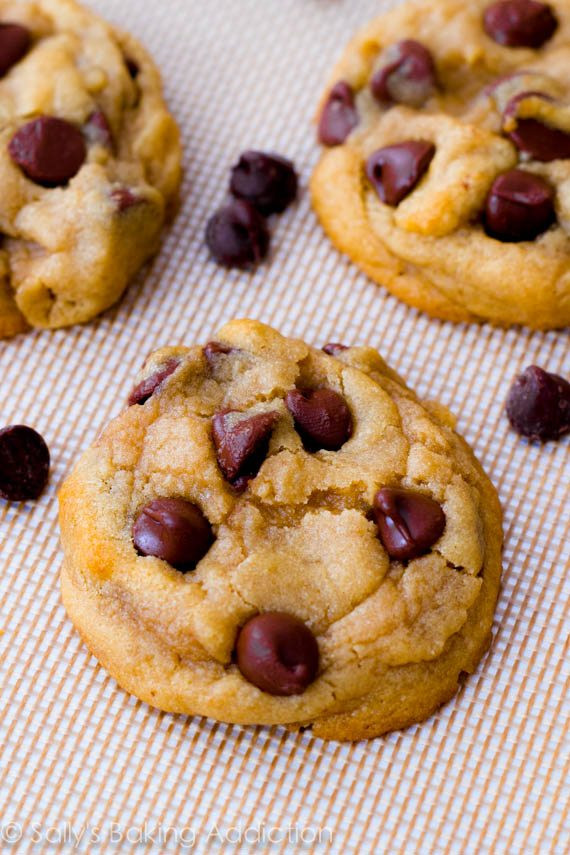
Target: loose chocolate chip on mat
x=339, y=115
x=322, y=418
x=278, y=653
x=214, y=349
x=409, y=523
x=237, y=235
x=49, y=151
x=519, y=207
x=241, y=446
x=15, y=42
x=143, y=391
x=533, y=137
x=268, y=181
x=538, y=404
x=24, y=463
x=407, y=77
x=98, y=130
x=520, y=23
x=334, y=347
x=395, y=171
x=175, y=530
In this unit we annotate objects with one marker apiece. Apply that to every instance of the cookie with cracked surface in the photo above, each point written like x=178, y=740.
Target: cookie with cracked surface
x=446, y=169
x=269, y=534
x=90, y=163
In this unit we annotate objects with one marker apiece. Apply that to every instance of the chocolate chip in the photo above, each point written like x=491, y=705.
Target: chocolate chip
x=15, y=42
x=407, y=77
x=520, y=23
x=538, y=404
x=268, y=181
x=520, y=206
x=409, y=523
x=322, y=418
x=24, y=463
x=237, y=235
x=132, y=67
x=49, y=151
x=339, y=115
x=124, y=199
x=98, y=130
x=175, y=530
x=278, y=653
x=214, y=349
x=394, y=171
x=333, y=348
x=532, y=136
x=241, y=444
x=143, y=391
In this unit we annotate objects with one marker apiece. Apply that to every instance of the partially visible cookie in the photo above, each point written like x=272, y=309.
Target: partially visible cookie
x=90, y=163
x=446, y=172
x=273, y=534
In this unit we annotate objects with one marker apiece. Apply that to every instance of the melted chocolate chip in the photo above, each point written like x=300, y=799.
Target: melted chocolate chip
x=98, y=130
x=322, y=418
x=409, y=523
x=532, y=136
x=520, y=23
x=241, y=446
x=175, y=530
x=519, y=207
x=407, y=77
x=268, y=181
x=339, y=115
x=214, y=349
x=538, y=404
x=49, y=151
x=24, y=463
x=124, y=199
x=395, y=171
x=15, y=42
x=333, y=348
x=143, y=390
x=237, y=235
x=278, y=653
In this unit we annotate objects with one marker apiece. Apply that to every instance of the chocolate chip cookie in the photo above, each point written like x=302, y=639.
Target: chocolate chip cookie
x=89, y=163
x=446, y=169
x=275, y=534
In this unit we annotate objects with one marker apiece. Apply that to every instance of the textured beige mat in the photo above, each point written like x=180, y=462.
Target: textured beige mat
x=489, y=772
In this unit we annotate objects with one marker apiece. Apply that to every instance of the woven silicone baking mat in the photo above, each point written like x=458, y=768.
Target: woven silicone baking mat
x=80, y=758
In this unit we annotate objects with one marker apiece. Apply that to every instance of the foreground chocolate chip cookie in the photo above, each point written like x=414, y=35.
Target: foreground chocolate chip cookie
x=271, y=534
x=446, y=173
x=89, y=163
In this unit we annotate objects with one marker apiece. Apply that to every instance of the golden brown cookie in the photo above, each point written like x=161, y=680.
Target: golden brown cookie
x=271, y=534
x=446, y=172
x=90, y=163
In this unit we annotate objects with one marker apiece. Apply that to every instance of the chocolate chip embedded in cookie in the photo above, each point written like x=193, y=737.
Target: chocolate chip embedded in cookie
x=174, y=530
x=279, y=535
x=89, y=163
x=519, y=207
x=520, y=23
x=432, y=112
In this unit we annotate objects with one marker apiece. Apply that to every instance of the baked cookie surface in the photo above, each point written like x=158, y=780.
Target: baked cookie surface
x=430, y=117
x=270, y=534
x=90, y=163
